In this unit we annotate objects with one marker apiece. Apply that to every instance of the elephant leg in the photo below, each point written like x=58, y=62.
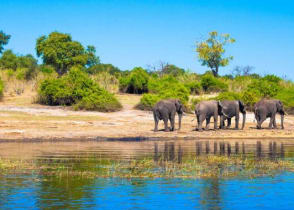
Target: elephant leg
x=165, y=120
x=270, y=126
x=198, y=122
x=172, y=122
x=207, y=123
x=274, y=123
x=156, y=122
x=229, y=122
x=215, y=121
x=201, y=119
x=237, y=117
x=260, y=121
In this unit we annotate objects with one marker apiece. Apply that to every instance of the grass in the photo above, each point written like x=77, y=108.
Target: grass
x=199, y=167
x=18, y=115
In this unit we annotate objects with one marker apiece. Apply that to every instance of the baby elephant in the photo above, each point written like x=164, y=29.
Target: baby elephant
x=268, y=108
x=205, y=110
x=166, y=110
x=231, y=109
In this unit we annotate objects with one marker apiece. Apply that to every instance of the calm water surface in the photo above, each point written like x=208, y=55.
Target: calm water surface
x=35, y=191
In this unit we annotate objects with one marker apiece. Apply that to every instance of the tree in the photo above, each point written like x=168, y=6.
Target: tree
x=60, y=51
x=9, y=60
x=4, y=38
x=211, y=51
x=92, y=58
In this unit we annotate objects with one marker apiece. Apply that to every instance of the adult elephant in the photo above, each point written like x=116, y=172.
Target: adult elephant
x=269, y=108
x=204, y=110
x=232, y=109
x=166, y=110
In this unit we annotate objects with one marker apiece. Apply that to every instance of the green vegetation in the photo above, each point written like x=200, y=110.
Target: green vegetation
x=211, y=51
x=197, y=167
x=4, y=38
x=93, y=91
x=78, y=89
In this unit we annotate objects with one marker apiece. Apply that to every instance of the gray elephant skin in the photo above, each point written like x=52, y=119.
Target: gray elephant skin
x=166, y=110
x=269, y=108
x=232, y=109
x=204, y=110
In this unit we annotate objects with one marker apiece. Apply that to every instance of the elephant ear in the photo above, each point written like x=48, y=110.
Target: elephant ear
x=241, y=106
x=220, y=108
x=179, y=106
x=280, y=107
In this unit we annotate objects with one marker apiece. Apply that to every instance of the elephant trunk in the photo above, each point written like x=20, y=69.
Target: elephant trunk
x=244, y=119
x=180, y=120
x=282, y=121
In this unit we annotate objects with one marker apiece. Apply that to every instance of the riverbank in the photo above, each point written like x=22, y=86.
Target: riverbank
x=22, y=120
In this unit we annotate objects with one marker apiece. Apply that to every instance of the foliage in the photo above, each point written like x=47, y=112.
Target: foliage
x=267, y=86
x=228, y=96
x=103, y=68
x=164, y=88
x=250, y=97
x=211, y=51
x=194, y=87
x=60, y=51
x=107, y=81
x=286, y=95
x=172, y=70
x=78, y=89
x=211, y=84
x=92, y=58
x=4, y=38
x=1, y=88
x=9, y=60
x=135, y=82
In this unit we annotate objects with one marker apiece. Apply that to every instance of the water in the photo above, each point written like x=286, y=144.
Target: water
x=43, y=191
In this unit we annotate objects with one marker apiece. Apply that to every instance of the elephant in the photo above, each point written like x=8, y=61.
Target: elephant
x=231, y=109
x=206, y=110
x=166, y=110
x=268, y=108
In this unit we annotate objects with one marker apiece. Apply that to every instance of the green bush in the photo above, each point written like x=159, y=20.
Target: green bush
x=194, y=87
x=211, y=84
x=136, y=82
x=25, y=73
x=228, y=96
x=1, y=88
x=287, y=97
x=78, y=89
x=147, y=101
x=265, y=87
x=164, y=88
x=250, y=97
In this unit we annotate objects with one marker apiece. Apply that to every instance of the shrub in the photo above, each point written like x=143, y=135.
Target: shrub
x=287, y=97
x=164, y=88
x=1, y=88
x=194, y=87
x=211, y=84
x=147, y=101
x=250, y=97
x=135, y=82
x=78, y=89
x=265, y=87
x=25, y=73
x=228, y=96
x=107, y=81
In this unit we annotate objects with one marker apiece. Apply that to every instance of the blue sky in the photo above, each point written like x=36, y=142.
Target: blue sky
x=145, y=32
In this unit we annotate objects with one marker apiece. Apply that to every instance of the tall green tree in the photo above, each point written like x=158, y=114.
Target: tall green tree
x=4, y=38
x=60, y=51
x=92, y=58
x=211, y=51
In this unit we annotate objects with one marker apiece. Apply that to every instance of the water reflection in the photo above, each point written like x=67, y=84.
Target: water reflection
x=174, y=151
x=43, y=191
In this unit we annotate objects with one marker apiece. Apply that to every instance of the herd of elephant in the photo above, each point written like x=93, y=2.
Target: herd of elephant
x=166, y=110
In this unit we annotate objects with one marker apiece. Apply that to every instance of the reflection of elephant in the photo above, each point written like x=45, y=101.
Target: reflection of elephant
x=166, y=110
x=268, y=108
x=206, y=110
x=231, y=109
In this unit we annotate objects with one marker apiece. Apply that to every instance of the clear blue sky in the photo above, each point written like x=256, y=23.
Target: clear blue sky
x=138, y=33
